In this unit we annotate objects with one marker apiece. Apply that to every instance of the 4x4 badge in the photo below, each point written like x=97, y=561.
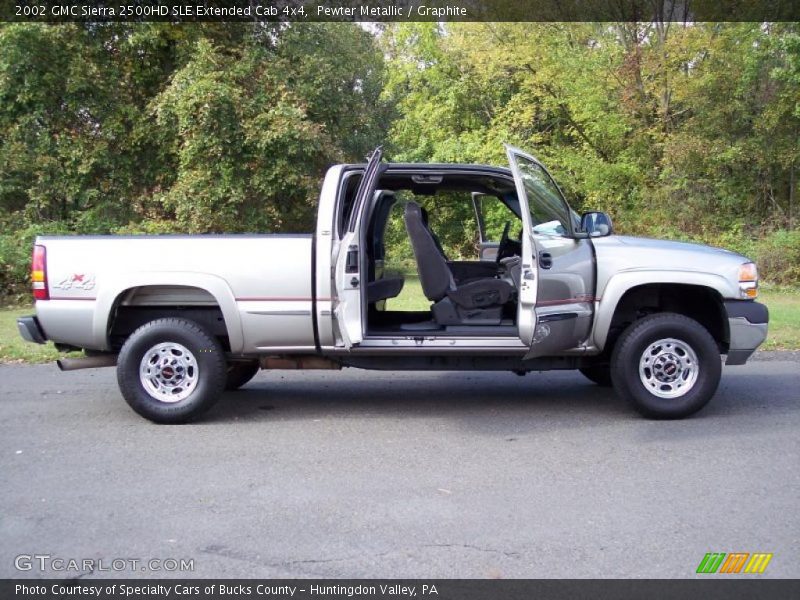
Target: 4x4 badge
x=76, y=281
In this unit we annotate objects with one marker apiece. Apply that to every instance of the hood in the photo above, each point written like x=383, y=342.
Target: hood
x=641, y=251
x=654, y=244
x=621, y=253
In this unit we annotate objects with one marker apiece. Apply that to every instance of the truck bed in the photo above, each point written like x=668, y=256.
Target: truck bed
x=262, y=282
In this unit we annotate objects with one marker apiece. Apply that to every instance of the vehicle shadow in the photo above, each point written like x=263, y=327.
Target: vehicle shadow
x=558, y=396
x=410, y=395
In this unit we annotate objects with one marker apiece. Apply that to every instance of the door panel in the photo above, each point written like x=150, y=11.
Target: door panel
x=570, y=274
x=565, y=267
x=565, y=302
x=351, y=275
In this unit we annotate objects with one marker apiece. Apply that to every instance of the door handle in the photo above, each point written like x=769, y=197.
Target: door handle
x=545, y=260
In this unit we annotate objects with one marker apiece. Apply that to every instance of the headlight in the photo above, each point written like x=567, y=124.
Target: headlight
x=748, y=280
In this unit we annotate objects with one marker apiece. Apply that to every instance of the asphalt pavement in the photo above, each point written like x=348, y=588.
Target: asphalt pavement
x=383, y=474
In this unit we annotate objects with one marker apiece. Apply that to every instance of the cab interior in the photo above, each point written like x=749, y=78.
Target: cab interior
x=419, y=281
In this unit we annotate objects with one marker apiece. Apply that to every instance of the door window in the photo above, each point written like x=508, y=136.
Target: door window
x=549, y=212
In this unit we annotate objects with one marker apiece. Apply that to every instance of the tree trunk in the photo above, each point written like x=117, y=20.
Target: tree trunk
x=792, y=188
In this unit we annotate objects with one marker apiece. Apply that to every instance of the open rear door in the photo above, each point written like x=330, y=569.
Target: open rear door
x=350, y=267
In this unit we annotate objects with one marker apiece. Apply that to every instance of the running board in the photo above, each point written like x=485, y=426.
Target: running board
x=298, y=362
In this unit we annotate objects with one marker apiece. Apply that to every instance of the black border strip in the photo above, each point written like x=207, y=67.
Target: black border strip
x=177, y=11
x=729, y=587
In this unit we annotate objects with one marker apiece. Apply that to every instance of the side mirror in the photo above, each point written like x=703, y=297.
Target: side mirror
x=596, y=224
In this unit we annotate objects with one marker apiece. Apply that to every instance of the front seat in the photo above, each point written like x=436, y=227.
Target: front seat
x=433, y=233
x=478, y=302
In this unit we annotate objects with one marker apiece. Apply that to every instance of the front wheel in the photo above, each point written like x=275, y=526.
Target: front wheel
x=667, y=365
x=171, y=370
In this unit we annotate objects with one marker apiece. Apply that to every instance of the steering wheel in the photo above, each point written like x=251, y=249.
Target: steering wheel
x=503, y=247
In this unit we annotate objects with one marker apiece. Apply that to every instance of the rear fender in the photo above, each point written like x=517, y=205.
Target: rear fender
x=113, y=289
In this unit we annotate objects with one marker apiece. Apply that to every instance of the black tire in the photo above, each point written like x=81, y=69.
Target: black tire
x=240, y=373
x=204, y=367
x=684, y=333
x=599, y=375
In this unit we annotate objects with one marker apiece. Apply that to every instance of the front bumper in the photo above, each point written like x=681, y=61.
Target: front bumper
x=30, y=330
x=747, y=325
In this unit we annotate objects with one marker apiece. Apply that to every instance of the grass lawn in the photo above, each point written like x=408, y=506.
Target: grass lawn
x=783, y=303
x=411, y=297
x=784, y=318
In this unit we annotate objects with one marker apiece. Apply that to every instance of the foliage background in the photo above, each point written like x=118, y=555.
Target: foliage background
x=679, y=130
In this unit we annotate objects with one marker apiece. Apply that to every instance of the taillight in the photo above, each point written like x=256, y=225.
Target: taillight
x=39, y=273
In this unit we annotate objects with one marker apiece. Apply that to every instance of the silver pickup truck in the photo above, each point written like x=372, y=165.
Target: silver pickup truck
x=185, y=317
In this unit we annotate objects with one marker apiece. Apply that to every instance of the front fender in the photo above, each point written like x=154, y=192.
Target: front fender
x=113, y=288
x=622, y=282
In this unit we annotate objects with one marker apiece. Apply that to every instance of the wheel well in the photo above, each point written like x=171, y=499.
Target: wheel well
x=136, y=306
x=697, y=302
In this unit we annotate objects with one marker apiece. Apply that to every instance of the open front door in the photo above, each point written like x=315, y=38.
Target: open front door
x=526, y=311
x=556, y=310
x=350, y=271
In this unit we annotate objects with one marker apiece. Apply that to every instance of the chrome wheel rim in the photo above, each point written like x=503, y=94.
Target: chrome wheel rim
x=669, y=368
x=168, y=372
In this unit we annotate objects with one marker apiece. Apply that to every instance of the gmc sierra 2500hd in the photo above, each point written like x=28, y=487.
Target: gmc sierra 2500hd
x=185, y=317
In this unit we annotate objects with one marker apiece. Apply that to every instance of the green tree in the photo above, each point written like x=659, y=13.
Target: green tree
x=156, y=127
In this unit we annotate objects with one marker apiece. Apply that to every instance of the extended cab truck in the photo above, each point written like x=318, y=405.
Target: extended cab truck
x=186, y=317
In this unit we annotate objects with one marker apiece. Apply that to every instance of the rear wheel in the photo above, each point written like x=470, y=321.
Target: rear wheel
x=599, y=375
x=667, y=365
x=240, y=373
x=171, y=370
